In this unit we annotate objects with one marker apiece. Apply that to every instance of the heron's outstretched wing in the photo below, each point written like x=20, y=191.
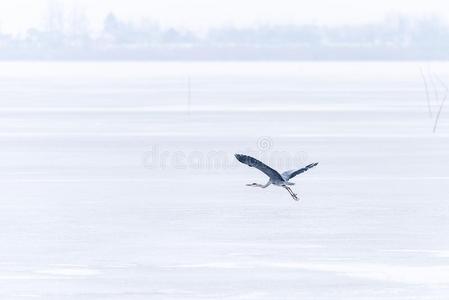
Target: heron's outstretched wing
x=252, y=162
x=292, y=173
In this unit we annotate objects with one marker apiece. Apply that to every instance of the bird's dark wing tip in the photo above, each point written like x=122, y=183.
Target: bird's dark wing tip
x=312, y=165
x=239, y=157
x=245, y=159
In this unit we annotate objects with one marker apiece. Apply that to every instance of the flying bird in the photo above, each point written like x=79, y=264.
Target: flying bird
x=275, y=178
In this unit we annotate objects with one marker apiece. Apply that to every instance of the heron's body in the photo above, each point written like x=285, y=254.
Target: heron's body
x=281, y=180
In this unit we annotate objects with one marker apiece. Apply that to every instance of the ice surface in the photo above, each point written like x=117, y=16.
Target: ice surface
x=114, y=185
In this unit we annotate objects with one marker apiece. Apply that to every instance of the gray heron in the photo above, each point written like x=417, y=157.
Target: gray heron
x=281, y=180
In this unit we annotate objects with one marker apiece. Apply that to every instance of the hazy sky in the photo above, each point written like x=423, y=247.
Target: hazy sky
x=18, y=15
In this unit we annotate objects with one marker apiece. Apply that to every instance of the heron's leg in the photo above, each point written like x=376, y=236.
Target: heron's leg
x=291, y=191
x=259, y=185
x=294, y=196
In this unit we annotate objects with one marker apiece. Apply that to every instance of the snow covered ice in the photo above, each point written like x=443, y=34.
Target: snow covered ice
x=116, y=185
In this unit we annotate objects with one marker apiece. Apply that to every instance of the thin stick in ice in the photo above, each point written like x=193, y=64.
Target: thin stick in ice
x=426, y=86
x=437, y=118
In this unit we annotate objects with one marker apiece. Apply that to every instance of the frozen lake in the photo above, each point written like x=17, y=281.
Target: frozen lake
x=118, y=181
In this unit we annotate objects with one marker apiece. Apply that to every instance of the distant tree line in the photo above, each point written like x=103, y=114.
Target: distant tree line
x=69, y=38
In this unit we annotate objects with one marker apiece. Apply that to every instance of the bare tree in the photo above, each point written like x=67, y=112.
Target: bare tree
x=54, y=17
x=78, y=23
